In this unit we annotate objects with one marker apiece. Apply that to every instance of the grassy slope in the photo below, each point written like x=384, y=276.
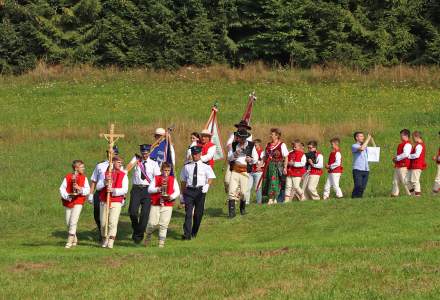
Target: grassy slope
x=374, y=248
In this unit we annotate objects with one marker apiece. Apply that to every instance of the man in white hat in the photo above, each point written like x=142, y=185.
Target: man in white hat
x=160, y=133
x=208, y=148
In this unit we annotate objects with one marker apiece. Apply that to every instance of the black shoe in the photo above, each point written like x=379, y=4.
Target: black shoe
x=231, y=208
x=242, y=207
x=185, y=238
x=194, y=235
x=137, y=241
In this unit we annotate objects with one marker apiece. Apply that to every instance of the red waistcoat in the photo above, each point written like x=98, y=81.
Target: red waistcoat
x=316, y=171
x=418, y=163
x=438, y=156
x=117, y=178
x=332, y=159
x=155, y=198
x=404, y=163
x=80, y=180
x=292, y=171
x=205, y=148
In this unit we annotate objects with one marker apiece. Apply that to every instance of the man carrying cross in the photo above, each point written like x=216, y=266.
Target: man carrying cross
x=145, y=169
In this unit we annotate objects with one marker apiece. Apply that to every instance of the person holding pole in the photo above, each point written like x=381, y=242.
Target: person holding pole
x=361, y=168
x=111, y=197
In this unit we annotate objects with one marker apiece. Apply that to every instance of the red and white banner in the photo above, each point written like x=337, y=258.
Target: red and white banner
x=248, y=112
x=212, y=126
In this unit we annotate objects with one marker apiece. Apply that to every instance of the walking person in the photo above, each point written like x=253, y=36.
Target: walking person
x=361, y=168
x=335, y=169
x=401, y=164
x=417, y=164
x=196, y=178
x=255, y=176
x=436, y=187
x=145, y=169
x=315, y=164
x=295, y=171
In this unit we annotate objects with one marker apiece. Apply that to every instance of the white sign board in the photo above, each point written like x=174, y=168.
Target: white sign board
x=373, y=154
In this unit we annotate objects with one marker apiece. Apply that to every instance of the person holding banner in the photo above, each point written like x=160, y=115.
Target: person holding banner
x=361, y=168
x=241, y=156
x=144, y=171
x=417, y=164
x=196, y=178
x=275, y=166
x=118, y=184
x=208, y=148
x=436, y=187
x=163, y=149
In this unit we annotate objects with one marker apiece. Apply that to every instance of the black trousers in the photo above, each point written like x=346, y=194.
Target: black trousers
x=193, y=200
x=96, y=209
x=139, y=198
x=360, y=179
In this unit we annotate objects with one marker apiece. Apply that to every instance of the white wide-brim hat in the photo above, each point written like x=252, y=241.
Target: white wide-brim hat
x=206, y=132
x=159, y=131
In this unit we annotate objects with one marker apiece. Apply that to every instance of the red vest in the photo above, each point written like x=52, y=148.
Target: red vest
x=275, y=153
x=155, y=198
x=80, y=180
x=292, y=171
x=205, y=148
x=316, y=171
x=117, y=178
x=254, y=166
x=418, y=163
x=332, y=159
x=404, y=163
x=438, y=156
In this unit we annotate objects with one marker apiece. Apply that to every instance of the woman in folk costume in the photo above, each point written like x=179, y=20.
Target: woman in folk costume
x=195, y=140
x=73, y=190
x=164, y=190
x=276, y=158
x=118, y=183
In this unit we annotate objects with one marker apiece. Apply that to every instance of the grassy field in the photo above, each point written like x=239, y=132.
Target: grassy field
x=373, y=248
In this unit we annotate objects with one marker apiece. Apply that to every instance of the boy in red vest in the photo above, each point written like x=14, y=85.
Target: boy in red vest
x=436, y=187
x=295, y=170
x=73, y=190
x=164, y=189
x=315, y=164
x=334, y=168
x=118, y=183
x=417, y=164
x=401, y=163
x=208, y=148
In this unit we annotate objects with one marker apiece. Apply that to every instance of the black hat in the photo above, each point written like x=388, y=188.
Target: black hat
x=145, y=147
x=242, y=133
x=244, y=124
x=115, y=150
x=196, y=150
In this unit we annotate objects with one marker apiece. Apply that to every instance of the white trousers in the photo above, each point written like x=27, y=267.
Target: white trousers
x=400, y=177
x=160, y=216
x=72, y=217
x=293, y=188
x=238, y=185
x=332, y=182
x=113, y=219
x=414, y=180
x=228, y=174
x=436, y=187
x=310, y=184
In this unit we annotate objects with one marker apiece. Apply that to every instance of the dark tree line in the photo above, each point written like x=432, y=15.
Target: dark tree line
x=172, y=33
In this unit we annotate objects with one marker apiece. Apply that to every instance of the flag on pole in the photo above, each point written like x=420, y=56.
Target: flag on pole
x=250, y=105
x=212, y=126
x=161, y=151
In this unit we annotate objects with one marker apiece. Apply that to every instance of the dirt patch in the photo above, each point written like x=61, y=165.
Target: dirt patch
x=30, y=266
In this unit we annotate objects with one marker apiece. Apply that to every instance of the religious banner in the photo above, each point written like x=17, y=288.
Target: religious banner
x=212, y=126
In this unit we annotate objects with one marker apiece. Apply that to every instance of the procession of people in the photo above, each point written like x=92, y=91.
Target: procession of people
x=273, y=172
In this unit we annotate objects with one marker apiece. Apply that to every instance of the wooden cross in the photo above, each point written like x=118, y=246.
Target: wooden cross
x=111, y=138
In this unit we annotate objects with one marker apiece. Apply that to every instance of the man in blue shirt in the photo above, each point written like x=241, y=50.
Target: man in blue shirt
x=361, y=169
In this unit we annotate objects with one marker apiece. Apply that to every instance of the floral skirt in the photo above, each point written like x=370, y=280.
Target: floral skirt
x=272, y=181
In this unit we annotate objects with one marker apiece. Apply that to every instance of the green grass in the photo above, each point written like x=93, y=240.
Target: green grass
x=347, y=249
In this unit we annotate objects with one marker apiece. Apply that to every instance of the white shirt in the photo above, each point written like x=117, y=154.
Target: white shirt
x=204, y=172
x=418, y=152
x=241, y=159
x=337, y=162
x=98, y=174
x=284, y=151
x=231, y=140
x=151, y=169
x=152, y=189
x=209, y=155
x=65, y=195
x=319, y=162
x=406, y=152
